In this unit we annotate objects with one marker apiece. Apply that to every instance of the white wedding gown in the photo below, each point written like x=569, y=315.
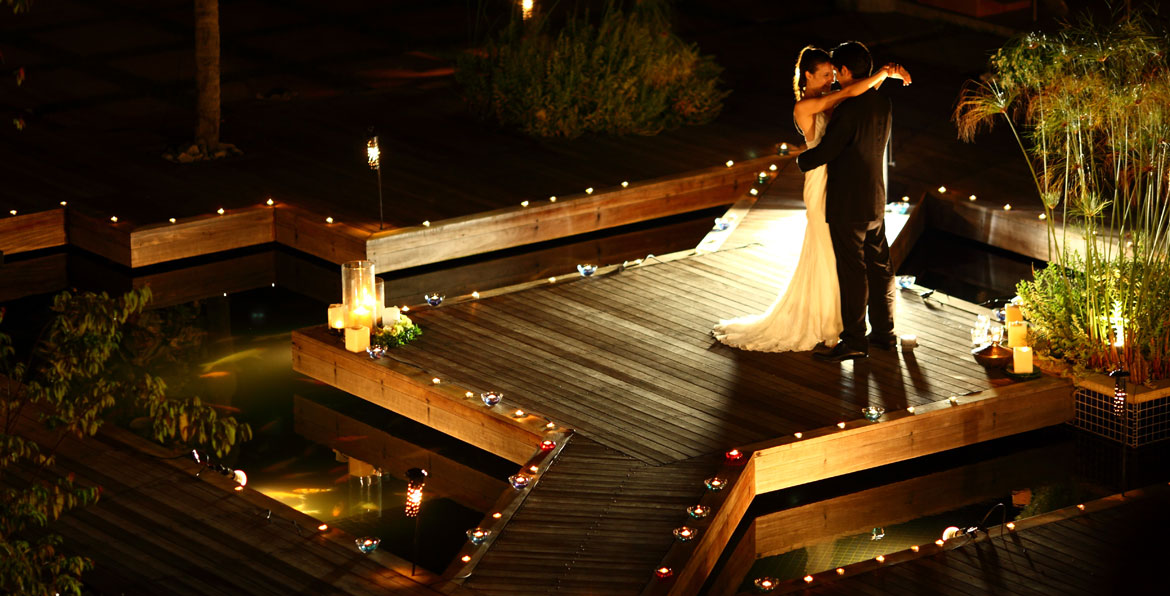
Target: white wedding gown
x=808, y=311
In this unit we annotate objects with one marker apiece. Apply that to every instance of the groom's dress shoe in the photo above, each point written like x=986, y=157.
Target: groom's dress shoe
x=821, y=348
x=839, y=353
x=885, y=342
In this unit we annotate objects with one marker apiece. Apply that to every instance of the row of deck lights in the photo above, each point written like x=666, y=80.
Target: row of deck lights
x=942, y=190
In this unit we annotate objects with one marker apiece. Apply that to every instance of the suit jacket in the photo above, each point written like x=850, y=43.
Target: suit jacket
x=854, y=146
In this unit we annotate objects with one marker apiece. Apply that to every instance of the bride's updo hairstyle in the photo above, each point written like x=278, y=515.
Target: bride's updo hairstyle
x=809, y=59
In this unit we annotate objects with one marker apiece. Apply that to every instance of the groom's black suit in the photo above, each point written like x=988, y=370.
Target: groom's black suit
x=854, y=147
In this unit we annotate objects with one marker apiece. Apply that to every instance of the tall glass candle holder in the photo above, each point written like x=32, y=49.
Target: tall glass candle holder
x=358, y=293
x=379, y=302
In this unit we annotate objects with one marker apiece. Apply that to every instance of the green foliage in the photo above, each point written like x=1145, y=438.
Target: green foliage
x=628, y=74
x=400, y=333
x=1090, y=108
x=90, y=364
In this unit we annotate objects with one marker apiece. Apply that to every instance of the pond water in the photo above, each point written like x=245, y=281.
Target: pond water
x=880, y=511
x=321, y=451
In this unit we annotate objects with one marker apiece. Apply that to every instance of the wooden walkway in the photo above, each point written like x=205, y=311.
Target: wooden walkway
x=623, y=365
x=1109, y=546
x=157, y=528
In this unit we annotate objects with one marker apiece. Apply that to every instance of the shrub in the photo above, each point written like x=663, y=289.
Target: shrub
x=628, y=74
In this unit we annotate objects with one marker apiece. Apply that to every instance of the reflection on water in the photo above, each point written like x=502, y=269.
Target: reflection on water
x=814, y=528
x=318, y=450
x=966, y=269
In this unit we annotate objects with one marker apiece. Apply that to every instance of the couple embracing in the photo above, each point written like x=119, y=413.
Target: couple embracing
x=844, y=264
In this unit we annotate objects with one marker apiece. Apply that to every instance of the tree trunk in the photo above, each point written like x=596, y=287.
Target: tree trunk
x=207, y=74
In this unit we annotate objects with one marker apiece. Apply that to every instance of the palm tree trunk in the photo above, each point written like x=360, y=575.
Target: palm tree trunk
x=207, y=74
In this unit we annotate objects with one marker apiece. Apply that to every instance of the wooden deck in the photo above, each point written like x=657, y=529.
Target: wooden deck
x=1111, y=546
x=157, y=528
x=623, y=362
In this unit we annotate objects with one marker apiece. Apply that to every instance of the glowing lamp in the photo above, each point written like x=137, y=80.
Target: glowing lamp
x=808, y=579
x=550, y=425
x=625, y=184
x=910, y=409
x=491, y=398
x=526, y=9
x=64, y=203
x=762, y=177
x=240, y=477
x=1011, y=525
x=772, y=168
x=519, y=414
x=698, y=511
x=685, y=534
x=715, y=484
x=873, y=413
x=465, y=558
x=552, y=280
x=841, y=425
x=238, y=488
x=523, y=203
x=416, y=480
x=1007, y=207
x=905, y=199
x=663, y=572
x=478, y=536
x=433, y=299
x=940, y=542
x=971, y=198
x=548, y=445
x=436, y=381
x=729, y=163
x=114, y=218
x=880, y=558
x=497, y=515
x=172, y=220
x=734, y=456
x=270, y=202
x=373, y=153
x=534, y=469
x=914, y=548
x=589, y=190
x=1043, y=216
x=798, y=435
x=754, y=192
x=323, y=527
x=586, y=270
x=765, y=584
x=475, y=295
x=336, y=318
x=942, y=190
x=1081, y=507
x=783, y=148
x=840, y=571
x=427, y=223
x=328, y=220
x=552, y=199
x=219, y=211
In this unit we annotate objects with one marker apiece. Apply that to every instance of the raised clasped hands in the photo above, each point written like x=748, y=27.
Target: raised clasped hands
x=897, y=71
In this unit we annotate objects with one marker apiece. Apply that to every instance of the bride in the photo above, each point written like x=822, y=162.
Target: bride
x=808, y=311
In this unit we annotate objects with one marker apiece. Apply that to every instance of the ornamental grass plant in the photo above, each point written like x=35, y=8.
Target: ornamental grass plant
x=1090, y=108
x=626, y=73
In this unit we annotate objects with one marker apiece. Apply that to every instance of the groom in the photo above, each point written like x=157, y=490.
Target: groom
x=854, y=148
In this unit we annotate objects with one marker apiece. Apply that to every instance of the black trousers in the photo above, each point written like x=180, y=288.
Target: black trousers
x=866, y=279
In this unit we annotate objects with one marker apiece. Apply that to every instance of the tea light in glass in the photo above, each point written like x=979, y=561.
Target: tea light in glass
x=519, y=481
x=367, y=544
x=337, y=318
x=478, y=536
x=698, y=511
x=765, y=584
x=491, y=398
x=685, y=534
x=433, y=299
x=873, y=413
x=715, y=484
x=586, y=270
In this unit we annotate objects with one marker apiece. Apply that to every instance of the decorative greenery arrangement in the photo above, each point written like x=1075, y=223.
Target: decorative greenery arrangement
x=1090, y=107
x=628, y=74
x=89, y=365
x=400, y=333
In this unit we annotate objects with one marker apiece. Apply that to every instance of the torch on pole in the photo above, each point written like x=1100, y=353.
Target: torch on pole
x=374, y=159
x=416, y=479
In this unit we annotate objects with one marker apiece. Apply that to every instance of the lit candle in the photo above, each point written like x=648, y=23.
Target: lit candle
x=1013, y=314
x=1022, y=360
x=1017, y=334
x=361, y=316
x=357, y=338
x=337, y=317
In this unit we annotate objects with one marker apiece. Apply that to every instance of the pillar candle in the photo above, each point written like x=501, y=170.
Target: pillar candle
x=1022, y=360
x=337, y=316
x=1017, y=334
x=357, y=338
x=1013, y=314
x=390, y=316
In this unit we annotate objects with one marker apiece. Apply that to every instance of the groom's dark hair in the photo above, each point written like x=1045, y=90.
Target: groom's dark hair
x=854, y=56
